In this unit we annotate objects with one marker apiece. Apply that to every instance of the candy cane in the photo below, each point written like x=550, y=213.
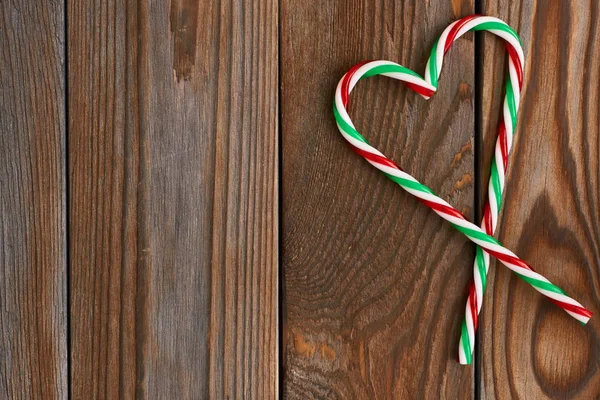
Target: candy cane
x=504, y=141
x=487, y=244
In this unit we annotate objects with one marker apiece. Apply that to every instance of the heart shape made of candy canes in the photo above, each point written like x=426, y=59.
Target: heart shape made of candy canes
x=482, y=237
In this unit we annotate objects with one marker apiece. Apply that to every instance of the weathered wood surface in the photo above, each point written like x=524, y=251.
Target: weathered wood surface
x=173, y=191
x=375, y=283
x=33, y=265
x=532, y=349
x=170, y=171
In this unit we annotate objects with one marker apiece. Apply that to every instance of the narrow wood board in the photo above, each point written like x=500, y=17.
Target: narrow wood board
x=173, y=191
x=551, y=217
x=375, y=283
x=33, y=266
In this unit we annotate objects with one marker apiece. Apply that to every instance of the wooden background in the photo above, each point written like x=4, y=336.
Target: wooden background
x=179, y=217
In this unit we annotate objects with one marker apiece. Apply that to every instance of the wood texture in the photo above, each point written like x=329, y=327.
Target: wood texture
x=375, y=283
x=532, y=349
x=33, y=274
x=167, y=179
x=173, y=191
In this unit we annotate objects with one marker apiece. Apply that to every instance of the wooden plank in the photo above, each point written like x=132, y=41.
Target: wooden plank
x=375, y=283
x=33, y=274
x=173, y=166
x=532, y=349
x=104, y=140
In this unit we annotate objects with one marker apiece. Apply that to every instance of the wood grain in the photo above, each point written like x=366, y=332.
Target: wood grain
x=531, y=349
x=173, y=191
x=375, y=283
x=33, y=269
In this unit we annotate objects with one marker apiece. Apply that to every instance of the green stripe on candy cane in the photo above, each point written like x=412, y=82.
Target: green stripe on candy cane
x=433, y=72
x=494, y=177
x=541, y=284
x=346, y=127
x=390, y=68
x=512, y=106
x=475, y=234
x=481, y=266
x=490, y=26
x=410, y=184
x=465, y=338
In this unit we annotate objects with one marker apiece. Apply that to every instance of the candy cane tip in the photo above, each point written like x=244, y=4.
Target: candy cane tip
x=462, y=359
x=584, y=316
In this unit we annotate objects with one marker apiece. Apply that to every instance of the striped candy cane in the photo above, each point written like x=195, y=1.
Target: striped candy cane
x=487, y=245
x=504, y=141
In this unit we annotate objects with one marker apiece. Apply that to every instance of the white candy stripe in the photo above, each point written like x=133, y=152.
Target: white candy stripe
x=409, y=78
x=506, y=116
x=560, y=297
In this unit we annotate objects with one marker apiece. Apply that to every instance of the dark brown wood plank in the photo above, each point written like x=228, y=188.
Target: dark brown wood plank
x=33, y=269
x=173, y=167
x=375, y=283
x=551, y=217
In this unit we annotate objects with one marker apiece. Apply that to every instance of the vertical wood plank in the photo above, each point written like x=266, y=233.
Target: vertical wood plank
x=33, y=275
x=375, y=283
x=104, y=140
x=173, y=124
x=551, y=217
